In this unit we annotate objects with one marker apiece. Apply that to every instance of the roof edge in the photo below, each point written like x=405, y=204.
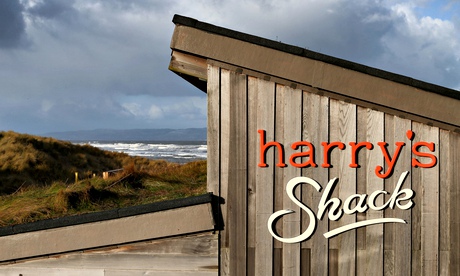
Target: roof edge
x=295, y=50
x=106, y=215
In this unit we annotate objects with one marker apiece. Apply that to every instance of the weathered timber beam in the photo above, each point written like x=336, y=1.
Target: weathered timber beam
x=191, y=68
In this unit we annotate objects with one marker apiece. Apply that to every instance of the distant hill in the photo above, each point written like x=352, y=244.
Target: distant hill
x=163, y=134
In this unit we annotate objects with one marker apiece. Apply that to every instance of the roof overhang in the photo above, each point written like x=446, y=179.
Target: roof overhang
x=196, y=44
x=192, y=68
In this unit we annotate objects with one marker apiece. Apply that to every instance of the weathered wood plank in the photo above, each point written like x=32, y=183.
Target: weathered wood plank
x=170, y=222
x=333, y=262
x=184, y=255
x=203, y=244
x=388, y=246
x=388, y=264
x=278, y=172
x=277, y=261
x=397, y=236
x=289, y=108
x=224, y=261
x=252, y=179
x=262, y=112
x=361, y=186
x=446, y=172
x=225, y=151
x=214, y=184
x=237, y=175
x=305, y=262
x=213, y=130
x=251, y=259
x=429, y=197
x=315, y=130
x=343, y=128
x=188, y=64
x=370, y=129
x=455, y=205
x=416, y=218
x=402, y=232
x=449, y=215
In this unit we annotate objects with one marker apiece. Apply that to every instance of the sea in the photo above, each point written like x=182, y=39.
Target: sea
x=177, y=151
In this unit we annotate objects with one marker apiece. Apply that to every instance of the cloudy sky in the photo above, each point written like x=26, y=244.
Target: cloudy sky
x=87, y=64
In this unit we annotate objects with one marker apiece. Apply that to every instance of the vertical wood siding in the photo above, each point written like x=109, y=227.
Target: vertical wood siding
x=315, y=129
x=369, y=240
x=240, y=105
x=397, y=237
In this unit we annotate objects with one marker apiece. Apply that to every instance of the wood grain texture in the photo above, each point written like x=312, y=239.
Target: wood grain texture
x=429, y=201
x=305, y=262
x=424, y=246
x=370, y=252
x=455, y=205
x=343, y=128
x=188, y=64
x=237, y=174
x=225, y=151
x=279, y=185
x=176, y=221
x=446, y=179
x=213, y=130
x=397, y=237
x=253, y=143
x=289, y=112
x=315, y=118
x=252, y=180
x=183, y=255
x=262, y=112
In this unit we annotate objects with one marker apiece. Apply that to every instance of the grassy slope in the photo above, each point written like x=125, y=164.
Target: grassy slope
x=37, y=179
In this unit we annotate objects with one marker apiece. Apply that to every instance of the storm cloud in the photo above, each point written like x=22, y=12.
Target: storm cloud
x=12, y=24
x=85, y=64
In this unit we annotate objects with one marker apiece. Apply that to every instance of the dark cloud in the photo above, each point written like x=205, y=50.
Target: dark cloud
x=389, y=35
x=345, y=29
x=12, y=24
x=104, y=63
x=357, y=29
x=124, y=5
x=53, y=9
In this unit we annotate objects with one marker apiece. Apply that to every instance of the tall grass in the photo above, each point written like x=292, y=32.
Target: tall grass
x=32, y=160
x=37, y=179
x=157, y=182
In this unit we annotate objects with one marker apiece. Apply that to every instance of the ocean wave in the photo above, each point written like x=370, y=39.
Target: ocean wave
x=176, y=152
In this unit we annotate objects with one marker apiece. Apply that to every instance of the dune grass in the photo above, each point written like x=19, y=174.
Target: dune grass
x=27, y=160
x=157, y=182
x=37, y=181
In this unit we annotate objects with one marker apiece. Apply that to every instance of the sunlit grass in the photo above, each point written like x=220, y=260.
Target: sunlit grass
x=37, y=179
x=128, y=188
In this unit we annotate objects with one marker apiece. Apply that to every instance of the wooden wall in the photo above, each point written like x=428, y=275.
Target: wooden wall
x=240, y=105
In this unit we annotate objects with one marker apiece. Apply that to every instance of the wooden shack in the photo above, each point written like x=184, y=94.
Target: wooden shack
x=326, y=167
